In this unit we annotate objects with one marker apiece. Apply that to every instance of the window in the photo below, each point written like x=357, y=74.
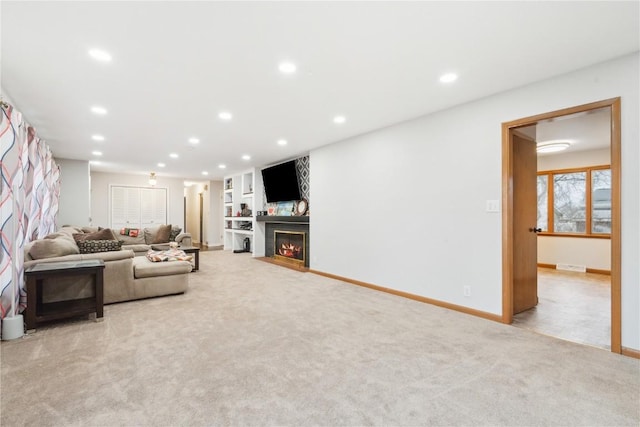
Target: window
x=575, y=202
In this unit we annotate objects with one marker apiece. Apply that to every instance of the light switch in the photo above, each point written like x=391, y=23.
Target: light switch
x=493, y=205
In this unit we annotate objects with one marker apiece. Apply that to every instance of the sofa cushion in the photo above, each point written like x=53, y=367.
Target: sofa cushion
x=158, y=234
x=93, y=246
x=142, y=267
x=104, y=234
x=49, y=248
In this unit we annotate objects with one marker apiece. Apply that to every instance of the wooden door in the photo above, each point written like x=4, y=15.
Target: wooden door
x=525, y=244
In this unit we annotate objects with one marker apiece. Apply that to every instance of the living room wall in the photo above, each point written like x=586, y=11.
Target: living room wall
x=100, y=204
x=407, y=203
x=75, y=192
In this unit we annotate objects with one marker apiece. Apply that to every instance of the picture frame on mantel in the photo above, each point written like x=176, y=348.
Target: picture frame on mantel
x=301, y=207
x=285, y=209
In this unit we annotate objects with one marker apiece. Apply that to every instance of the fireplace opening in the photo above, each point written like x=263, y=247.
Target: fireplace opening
x=289, y=246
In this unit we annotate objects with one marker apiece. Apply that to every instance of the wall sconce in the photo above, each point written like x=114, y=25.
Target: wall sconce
x=152, y=179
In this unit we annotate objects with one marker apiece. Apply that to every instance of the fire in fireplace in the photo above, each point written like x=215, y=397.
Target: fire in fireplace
x=289, y=246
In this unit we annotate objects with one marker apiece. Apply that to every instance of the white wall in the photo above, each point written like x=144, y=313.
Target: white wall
x=100, y=204
x=75, y=187
x=592, y=253
x=404, y=207
x=214, y=225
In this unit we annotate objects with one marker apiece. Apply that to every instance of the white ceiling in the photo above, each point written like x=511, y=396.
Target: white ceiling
x=176, y=65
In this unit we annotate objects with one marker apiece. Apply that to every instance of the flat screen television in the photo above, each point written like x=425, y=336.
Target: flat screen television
x=281, y=182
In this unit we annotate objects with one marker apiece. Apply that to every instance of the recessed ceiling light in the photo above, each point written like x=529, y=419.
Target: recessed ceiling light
x=287, y=67
x=97, y=137
x=339, y=119
x=173, y=155
x=221, y=166
x=552, y=146
x=100, y=55
x=282, y=142
x=161, y=165
x=448, y=78
x=194, y=140
x=188, y=183
x=246, y=157
x=205, y=173
x=97, y=153
x=99, y=110
x=225, y=115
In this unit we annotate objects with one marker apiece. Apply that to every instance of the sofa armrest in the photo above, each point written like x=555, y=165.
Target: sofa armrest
x=184, y=239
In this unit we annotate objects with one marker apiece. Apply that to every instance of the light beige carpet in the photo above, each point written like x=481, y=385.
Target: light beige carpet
x=256, y=344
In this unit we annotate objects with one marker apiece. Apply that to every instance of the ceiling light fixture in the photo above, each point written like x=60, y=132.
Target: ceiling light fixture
x=173, y=155
x=221, y=166
x=100, y=55
x=287, y=67
x=448, y=78
x=282, y=142
x=152, y=179
x=97, y=153
x=194, y=140
x=225, y=115
x=99, y=110
x=205, y=173
x=339, y=119
x=97, y=137
x=552, y=146
x=246, y=157
x=161, y=165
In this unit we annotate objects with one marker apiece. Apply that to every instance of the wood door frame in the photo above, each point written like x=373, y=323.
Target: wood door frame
x=508, y=209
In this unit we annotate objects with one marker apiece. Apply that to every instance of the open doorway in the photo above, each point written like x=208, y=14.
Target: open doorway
x=524, y=285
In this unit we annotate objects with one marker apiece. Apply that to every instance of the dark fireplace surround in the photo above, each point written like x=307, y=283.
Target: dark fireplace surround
x=283, y=224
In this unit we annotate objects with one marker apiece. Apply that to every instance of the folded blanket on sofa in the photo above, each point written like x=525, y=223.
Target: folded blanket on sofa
x=168, y=255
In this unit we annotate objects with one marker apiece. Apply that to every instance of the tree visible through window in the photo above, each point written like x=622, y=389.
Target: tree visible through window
x=580, y=201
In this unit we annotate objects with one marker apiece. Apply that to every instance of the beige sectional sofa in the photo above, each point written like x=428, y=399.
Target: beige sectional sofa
x=126, y=276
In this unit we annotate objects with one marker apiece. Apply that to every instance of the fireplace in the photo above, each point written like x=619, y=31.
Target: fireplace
x=290, y=246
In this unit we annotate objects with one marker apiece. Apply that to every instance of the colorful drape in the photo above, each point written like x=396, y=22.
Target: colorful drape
x=29, y=194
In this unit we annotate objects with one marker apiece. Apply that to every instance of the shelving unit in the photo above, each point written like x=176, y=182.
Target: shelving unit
x=243, y=189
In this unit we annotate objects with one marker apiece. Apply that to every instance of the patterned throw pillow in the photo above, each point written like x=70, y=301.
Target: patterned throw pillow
x=93, y=246
x=131, y=232
x=175, y=230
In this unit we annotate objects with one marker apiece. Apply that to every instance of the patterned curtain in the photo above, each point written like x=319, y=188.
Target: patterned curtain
x=29, y=194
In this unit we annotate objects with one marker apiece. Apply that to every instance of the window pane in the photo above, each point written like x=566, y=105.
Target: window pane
x=569, y=205
x=601, y=201
x=542, y=202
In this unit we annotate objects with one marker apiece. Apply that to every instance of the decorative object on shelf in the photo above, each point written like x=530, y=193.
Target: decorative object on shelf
x=301, y=207
x=271, y=210
x=245, y=210
x=285, y=209
x=152, y=179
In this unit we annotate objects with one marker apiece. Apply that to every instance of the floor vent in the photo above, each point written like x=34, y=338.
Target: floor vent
x=571, y=267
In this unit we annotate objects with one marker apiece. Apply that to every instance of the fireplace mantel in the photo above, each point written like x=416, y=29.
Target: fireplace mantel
x=283, y=219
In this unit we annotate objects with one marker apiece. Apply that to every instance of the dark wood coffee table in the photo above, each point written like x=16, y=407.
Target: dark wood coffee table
x=196, y=255
x=38, y=311
x=186, y=249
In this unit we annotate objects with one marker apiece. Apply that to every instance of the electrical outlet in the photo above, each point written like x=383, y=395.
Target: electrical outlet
x=466, y=290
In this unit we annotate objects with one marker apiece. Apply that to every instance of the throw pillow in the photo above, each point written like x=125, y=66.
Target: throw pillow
x=93, y=246
x=175, y=230
x=50, y=248
x=131, y=232
x=104, y=234
x=162, y=234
